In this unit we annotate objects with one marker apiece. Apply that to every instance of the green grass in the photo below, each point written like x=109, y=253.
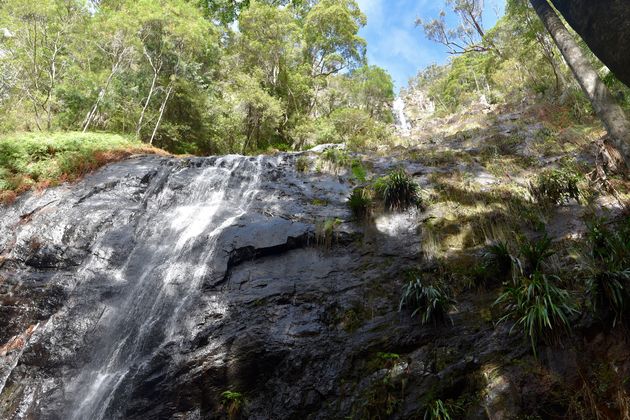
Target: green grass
x=37, y=160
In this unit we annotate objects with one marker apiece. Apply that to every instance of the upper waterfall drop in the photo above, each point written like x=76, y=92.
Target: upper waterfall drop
x=401, y=119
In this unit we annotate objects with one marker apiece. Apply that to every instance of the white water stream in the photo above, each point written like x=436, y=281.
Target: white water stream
x=401, y=119
x=161, y=278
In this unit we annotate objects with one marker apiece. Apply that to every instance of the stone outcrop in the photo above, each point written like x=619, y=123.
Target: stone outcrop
x=157, y=284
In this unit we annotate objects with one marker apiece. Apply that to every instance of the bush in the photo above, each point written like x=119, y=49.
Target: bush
x=358, y=170
x=333, y=160
x=398, y=190
x=533, y=300
x=433, y=302
x=609, y=271
x=360, y=203
x=556, y=187
x=325, y=232
x=535, y=253
x=498, y=258
x=539, y=307
x=301, y=164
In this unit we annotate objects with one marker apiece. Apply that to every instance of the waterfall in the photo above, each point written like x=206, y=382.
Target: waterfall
x=160, y=279
x=401, y=119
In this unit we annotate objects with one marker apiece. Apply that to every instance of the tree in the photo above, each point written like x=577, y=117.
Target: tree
x=37, y=50
x=468, y=36
x=598, y=94
x=331, y=33
x=374, y=91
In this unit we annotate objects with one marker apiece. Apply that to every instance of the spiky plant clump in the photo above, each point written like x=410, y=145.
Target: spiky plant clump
x=539, y=307
x=609, y=270
x=498, y=259
x=535, y=252
x=556, y=187
x=358, y=170
x=336, y=156
x=301, y=164
x=398, y=190
x=360, y=203
x=432, y=301
x=437, y=410
x=325, y=232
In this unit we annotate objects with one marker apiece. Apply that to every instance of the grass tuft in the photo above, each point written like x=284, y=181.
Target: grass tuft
x=398, y=190
x=432, y=301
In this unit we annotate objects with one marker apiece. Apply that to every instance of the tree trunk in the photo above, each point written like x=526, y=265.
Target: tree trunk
x=156, y=71
x=598, y=94
x=101, y=95
x=162, y=108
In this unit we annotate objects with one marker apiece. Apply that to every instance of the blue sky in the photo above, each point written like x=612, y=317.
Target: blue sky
x=396, y=44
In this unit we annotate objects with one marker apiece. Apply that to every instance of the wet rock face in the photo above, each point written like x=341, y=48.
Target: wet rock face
x=155, y=284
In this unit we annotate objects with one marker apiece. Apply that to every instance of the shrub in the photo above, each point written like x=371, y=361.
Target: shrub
x=556, y=187
x=333, y=160
x=301, y=164
x=610, y=294
x=535, y=252
x=31, y=159
x=432, y=302
x=232, y=402
x=337, y=157
x=609, y=271
x=398, y=190
x=539, y=307
x=498, y=259
x=360, y=203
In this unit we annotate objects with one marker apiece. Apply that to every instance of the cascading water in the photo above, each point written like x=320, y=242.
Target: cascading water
x=160, y=278
x=399, y=114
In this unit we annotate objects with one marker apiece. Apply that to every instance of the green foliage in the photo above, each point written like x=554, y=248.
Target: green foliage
x=498, y=256
x=337, y=157
x=325, y=232
x=535, y=253
x=539, y=307
x=301, y=164
x=29, y=159
x=360, y=203
x=556, y=186
x=432, y=301
x=232, y=402
x=172, y=73
x=608, y=278
x=534, y=301
x=358, y=170
x=437, y=410
x=398, y=190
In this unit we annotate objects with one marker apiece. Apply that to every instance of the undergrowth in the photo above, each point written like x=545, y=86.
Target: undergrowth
x=38, y=160
x=534, y=300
